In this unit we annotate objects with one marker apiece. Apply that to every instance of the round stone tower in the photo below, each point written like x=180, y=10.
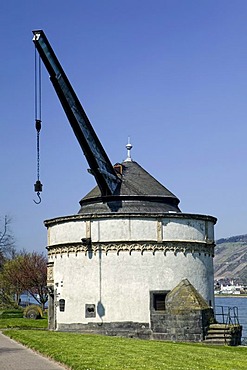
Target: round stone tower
x=125, y=263
x=112, y=264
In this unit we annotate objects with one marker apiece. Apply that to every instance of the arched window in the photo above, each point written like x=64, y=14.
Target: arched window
x=62, y=305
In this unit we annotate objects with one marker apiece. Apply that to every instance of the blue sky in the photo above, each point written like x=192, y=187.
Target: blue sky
x=170, y=74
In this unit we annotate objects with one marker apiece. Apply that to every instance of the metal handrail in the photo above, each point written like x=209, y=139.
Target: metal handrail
x=229, y=316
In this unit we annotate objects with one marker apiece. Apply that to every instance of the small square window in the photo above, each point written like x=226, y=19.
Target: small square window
x=157, y=300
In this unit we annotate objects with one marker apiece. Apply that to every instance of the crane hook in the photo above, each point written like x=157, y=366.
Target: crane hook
x=38, y=195
x=38, y=189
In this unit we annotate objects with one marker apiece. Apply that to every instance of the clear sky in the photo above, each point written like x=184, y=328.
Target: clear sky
x=170, y=74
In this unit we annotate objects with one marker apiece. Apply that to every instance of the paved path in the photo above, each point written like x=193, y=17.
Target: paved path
x=14, y=356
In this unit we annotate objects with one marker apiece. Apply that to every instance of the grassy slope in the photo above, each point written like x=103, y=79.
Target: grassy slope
x=81, y=352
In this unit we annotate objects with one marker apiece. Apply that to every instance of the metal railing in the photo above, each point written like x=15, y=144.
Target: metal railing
x=227, y=315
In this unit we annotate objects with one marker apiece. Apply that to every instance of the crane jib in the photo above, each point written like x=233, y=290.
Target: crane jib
x=94, y=152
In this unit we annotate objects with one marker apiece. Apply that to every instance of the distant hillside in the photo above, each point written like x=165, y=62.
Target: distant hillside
x=233, y=239
x=230, y=261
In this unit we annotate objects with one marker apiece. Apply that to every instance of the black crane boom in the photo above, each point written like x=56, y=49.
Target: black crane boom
x=94, y=152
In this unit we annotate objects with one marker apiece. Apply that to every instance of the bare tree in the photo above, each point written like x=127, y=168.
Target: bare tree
x=7, y=244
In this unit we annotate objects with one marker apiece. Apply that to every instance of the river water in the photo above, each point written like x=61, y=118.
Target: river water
x=235, y=301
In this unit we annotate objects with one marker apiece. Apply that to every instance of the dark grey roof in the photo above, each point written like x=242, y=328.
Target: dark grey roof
x=138, y=192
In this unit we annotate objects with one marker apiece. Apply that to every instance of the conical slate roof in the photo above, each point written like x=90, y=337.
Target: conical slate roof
x=138, y=192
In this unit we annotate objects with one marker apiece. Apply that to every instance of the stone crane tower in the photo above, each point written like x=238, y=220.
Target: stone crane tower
x=130, y=262
x=113, y=264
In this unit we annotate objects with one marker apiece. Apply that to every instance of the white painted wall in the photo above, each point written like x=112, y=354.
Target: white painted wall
x=132, y=229
x=122, y=282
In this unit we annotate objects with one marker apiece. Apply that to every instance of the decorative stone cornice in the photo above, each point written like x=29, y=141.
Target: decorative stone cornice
x=165, y=215
x=129, y=247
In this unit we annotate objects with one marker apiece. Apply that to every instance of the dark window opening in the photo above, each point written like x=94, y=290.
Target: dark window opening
x=62, y=305
x=158, y=300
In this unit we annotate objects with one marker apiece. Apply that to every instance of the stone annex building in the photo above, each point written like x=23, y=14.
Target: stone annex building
x=133, y=264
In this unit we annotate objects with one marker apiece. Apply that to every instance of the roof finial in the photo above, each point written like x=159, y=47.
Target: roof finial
x=129, y=147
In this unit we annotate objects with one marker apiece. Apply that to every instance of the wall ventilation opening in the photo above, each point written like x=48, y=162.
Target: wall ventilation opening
x=90, y=310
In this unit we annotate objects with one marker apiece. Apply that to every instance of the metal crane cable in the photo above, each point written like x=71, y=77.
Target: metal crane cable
x=37, y=112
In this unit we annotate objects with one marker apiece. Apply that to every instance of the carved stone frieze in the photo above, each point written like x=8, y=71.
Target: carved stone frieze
x=129, y=247
x=50, y=277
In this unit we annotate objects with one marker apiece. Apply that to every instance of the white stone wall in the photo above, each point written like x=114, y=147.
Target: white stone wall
x=122, y=282
x=119, y=280
x=132, y=229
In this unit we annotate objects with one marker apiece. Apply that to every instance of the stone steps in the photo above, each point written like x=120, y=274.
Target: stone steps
x=222, y=334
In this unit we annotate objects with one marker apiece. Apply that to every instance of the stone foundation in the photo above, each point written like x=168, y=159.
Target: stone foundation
x=123, y=329
x=187, y=326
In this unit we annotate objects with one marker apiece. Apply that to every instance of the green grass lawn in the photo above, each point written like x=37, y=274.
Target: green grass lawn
x=11, y=313
x=21, y=323
x=95, y=352
x=13, y=318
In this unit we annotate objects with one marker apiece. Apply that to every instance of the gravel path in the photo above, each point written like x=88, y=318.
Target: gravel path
x=14, y=356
